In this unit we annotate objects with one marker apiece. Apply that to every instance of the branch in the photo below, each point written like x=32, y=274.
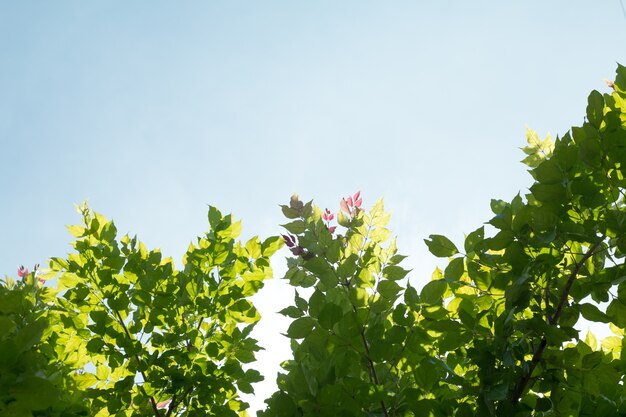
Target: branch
x=143, y=375
x=373, y=376
x=552, y=321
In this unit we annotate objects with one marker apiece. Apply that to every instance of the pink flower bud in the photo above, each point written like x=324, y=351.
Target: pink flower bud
x=358, y=202
x=357, y=195
x=349, y=201
x=331, y=229
x=22, y=271
x=344, y=206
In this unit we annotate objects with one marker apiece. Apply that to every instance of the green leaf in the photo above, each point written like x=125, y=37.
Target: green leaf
x=37, y=392
x=300, y=328
x=432, y=293
x=215, y=218
x=253, y=247
x=394, y=272
x=271, y=245
x=329, y=315
x=109, y=232
x=411, y=298
x=593, y=313
x=617, y=313
x=595, y=108
x=289, y=212
x=6, y=326
x=292, y=312
x=389, y=289
x=454, y=270
x=301, y=302
x=474, y=239
x=77, y=231
x=347, y=267
x=296, y=227
x=441, y=246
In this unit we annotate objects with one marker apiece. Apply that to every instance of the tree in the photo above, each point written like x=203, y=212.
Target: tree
x=33, y=381
x=494, y=333
x=154, y=340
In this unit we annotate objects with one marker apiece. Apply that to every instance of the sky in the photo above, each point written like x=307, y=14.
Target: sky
x=151, y=111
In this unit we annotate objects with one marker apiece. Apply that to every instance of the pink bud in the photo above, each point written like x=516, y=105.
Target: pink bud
x=332, y=229
x=358, y=202
x=22, y=271
x=344, y=206
x=357, y=195
x=349, y=201
x=332, y=216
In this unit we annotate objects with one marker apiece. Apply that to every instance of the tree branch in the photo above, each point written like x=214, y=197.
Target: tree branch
x=143, y=375
x=552, y=321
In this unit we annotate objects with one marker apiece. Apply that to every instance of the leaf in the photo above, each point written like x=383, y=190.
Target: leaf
x=292, y=312
x=296, y=227
x=380, y=234
x=301, y=302
x=329, y=315
x=454, y=270
x=271, y=245
x=215, y=217
x=289, y=212
x=498, y=206
x=441, y=246
x=109, y=232
x=432, y=293
x=347, y=267
x=394, y=272
x=37, y=392
x=253, y=247
x=300, y=328
x=595, y=108
x=617, y=313
x=411, y=298
x=473, y=239
x=77, y=231
x=593, y=313
x=343, y=219
x=389, y=289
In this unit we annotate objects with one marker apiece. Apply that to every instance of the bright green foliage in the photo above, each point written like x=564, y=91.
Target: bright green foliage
x=154, y=340
x=32, y=380
x=357, y=347
x=493, y=334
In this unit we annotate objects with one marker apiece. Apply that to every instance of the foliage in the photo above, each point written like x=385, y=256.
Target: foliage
x=155, y=340
x=33, y=382
x=494, y=333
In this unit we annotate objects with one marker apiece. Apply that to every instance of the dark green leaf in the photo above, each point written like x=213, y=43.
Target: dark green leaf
x=441, y=246
x=300, y=328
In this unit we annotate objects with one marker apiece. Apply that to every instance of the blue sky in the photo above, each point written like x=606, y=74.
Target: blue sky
x=152, y=110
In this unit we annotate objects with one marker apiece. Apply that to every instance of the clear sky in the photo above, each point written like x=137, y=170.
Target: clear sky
x=152, y=110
